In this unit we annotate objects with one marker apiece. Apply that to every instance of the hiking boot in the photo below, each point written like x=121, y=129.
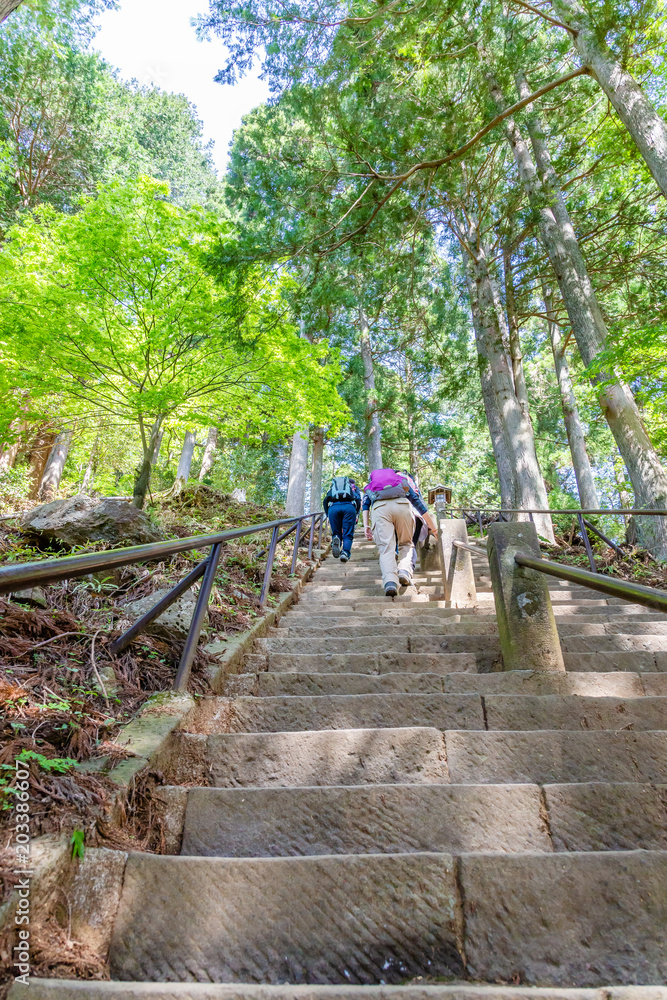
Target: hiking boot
x=404, y=579
x=390, y=589
x=344, y=556
x=335, y=546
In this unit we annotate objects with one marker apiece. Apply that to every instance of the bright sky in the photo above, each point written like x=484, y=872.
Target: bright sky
x=152, y=41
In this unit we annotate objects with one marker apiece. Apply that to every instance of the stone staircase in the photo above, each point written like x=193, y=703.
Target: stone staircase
x=389, y=815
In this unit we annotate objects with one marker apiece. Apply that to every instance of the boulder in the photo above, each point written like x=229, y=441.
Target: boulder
x=80, y=519
x=172, y=623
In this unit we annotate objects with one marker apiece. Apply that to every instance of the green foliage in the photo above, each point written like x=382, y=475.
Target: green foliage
x=112, y=309
x=57, y=765
x=76, y=841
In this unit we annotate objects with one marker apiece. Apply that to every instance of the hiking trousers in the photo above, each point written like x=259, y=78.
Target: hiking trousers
x=392, y=521
x=342, y=518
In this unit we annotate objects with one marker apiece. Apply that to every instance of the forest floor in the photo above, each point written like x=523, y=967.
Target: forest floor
x=54, y=715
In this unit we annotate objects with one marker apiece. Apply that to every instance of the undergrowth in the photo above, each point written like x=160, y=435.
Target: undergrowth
x=54, y=658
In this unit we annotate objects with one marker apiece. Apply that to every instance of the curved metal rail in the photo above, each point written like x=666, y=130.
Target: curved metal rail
x=19, y=576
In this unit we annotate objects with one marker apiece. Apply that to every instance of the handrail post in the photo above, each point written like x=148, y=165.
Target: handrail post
x=587, y=542
x=526, y=623
x=166, y=602
x=319, y=535
x=458, y=576
x=190, y=648
x=269, y=567
x=479, y=521
x=312, y=536
x=297, y=536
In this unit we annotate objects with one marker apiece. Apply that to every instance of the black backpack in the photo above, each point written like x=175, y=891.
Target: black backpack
x=340, y=490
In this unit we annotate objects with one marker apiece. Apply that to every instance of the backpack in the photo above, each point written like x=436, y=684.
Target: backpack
x=340, y=490
x=386, y=484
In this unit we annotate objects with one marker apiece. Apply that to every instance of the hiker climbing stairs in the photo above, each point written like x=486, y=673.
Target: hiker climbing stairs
x=379, y=803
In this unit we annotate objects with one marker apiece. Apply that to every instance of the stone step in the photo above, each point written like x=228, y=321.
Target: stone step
x=442, y=711
x=617, y=684
x=441, y=662
x=406, y=755
x=479, y=643
x=386, y=819
x=552, y=711
x=378, y=819
x=461, y=638
x=426, y=615
x=365, y=662
x=472, y=624
x=416, y=755
x=373, y=711
x=556, y=756
x=544, y=918
x=331, y=634
x=78, y=989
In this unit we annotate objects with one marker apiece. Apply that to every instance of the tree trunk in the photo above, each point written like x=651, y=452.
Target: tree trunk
x=373, y=431
x=55, y=464
x=156, y=449
x=209, y=452
x=38, y=454
x=647, y=474
x=647, y=128
x=8, y=456
x=588, y=495
x=316, y=469
x=6, y=7
x=143, y=477
x=295, y=503
x=516, y=355
x=494, y=418
x=90, y=467
x=517, y=430
x=185, y=461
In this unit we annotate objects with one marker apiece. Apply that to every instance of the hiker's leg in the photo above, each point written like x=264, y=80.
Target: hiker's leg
x=336, y=511
x=384, y=537
x=404, y=523
x=349, y=519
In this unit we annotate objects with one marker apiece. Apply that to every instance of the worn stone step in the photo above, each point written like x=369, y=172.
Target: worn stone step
x=607, y=643
x=552, y=919
x=70, y=989
x=292, y=714
x=552, y=711
x=441, y=662
x=601, y=816
x=626, y=626
x=556, y=756
x=641, y=660
x=406, y=755
x=365, y=662
x=477, y=625
x=424, y=614
x=382, y=630
x=359, y=919
x=270, y=683
x=617, y=684
x=260, y=822
x=569, y=643
x=379, y=819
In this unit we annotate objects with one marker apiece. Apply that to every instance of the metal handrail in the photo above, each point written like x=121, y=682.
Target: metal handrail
x=22, y=575
x=659, y=511
x=649, y=597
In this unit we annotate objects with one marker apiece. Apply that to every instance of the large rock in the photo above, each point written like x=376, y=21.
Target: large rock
x=80, y=519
